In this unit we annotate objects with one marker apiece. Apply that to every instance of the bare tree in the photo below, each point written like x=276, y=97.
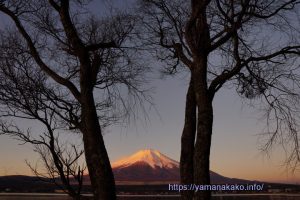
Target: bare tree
x=60, y=164
x=251, y=44
x=61, y=167
x=23, y=96
x=89, y=73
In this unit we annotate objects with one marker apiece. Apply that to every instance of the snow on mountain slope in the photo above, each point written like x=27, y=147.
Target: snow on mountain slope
x=152, y=166
x=149, y=156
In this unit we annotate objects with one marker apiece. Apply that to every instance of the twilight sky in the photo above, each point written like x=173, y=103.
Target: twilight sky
x=235, y=144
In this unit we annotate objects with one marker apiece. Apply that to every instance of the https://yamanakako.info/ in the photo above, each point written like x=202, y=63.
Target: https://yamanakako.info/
x=218, y=187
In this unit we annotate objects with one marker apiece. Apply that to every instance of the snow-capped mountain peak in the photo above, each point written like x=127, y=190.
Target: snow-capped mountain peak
x=149, y=156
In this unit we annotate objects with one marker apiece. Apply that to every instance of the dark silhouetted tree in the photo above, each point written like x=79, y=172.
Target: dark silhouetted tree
x=250, y=44
x=23, y=95
x=91, y=79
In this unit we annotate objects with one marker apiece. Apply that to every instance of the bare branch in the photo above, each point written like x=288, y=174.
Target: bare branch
x=37, y=57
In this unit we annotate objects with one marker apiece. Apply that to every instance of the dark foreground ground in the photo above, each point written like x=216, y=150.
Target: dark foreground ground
x=143, y=197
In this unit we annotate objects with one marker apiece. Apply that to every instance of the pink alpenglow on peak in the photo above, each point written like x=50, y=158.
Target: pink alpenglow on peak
x=151, y=157
x=152, y=166
x=146, y=165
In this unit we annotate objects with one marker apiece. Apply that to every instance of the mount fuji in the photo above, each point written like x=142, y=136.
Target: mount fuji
x=151, y=165
x=146, y=165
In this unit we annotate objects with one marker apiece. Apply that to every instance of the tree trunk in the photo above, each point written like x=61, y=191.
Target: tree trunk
x=97, y=160
x=187, y=143
x=198, y=38
x=204, y=129
x=202, y=150
x=77, y=197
